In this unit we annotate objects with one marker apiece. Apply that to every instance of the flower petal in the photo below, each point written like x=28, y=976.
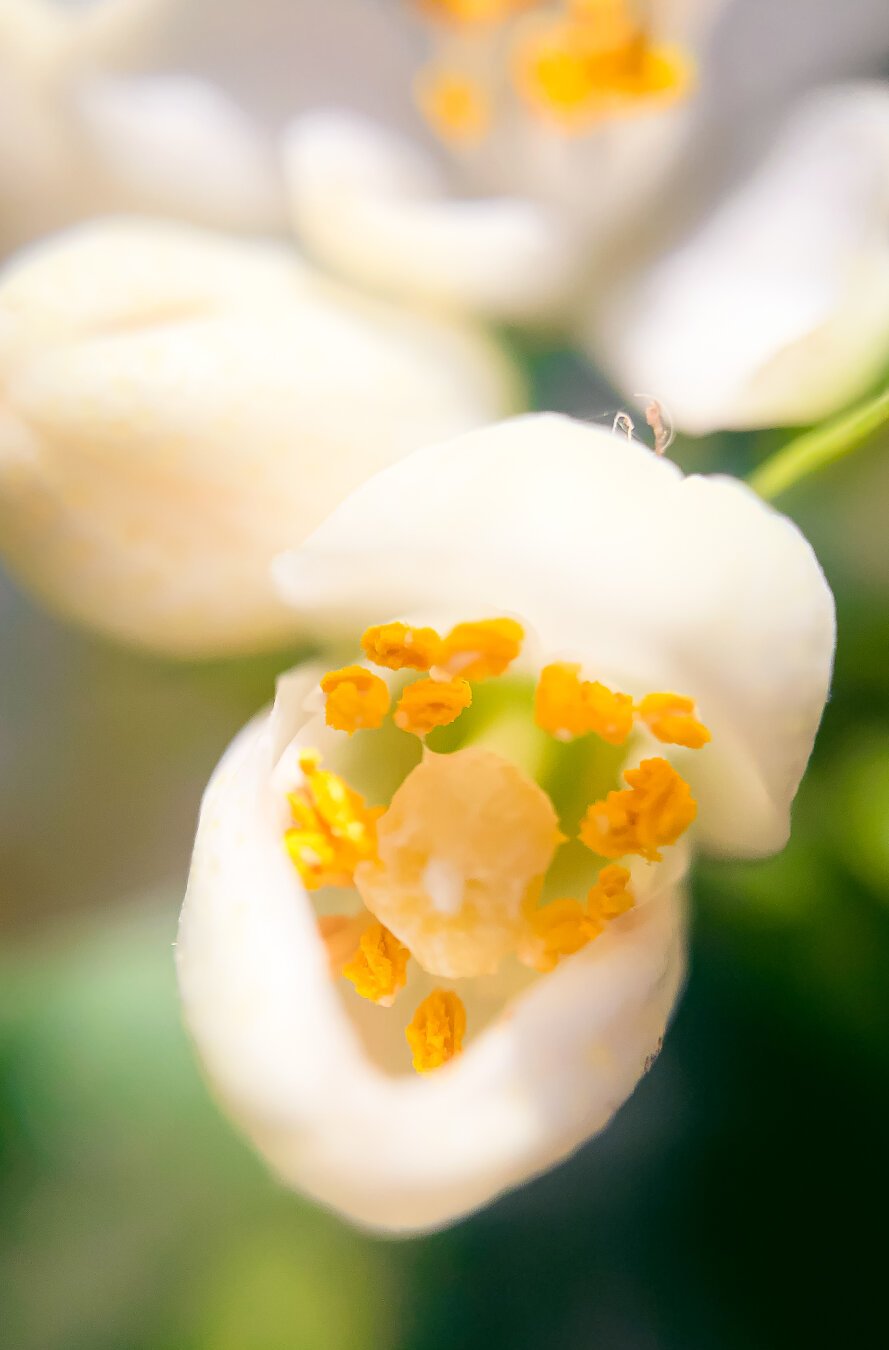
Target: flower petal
x=397, y=1153
x=776, y=310
x=178, y=144
x=373, y=206
x=178, y=407
x=613, y=558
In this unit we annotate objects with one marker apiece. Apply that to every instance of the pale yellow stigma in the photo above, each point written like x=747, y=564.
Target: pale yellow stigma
x=427, y=704
x=672, y=719
x=455, y=105
x=653, y=812
x=461, y=852
x=596, y=63
x=398, y=646
x=568, y=707
x=333, y=829
x=379, y=967
x=436, y=1032
x=356, y=699
x=480, y=650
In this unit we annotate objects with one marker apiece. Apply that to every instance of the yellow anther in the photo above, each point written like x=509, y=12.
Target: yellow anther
x=558, y=929
x=478, y=651
x=566, y=706
x=611, y=896
x=610, y=714
x=558, y=704
x=461, y=850
x=473, y=11
x=357, y=699
x=671, y=718
x=397, y=646
x=653, y=812
x=333, y=829
x=436, y=1031
x=595, y=64
x=427, y=704
x=456, y=106
x=379, y=967
x=340, y=934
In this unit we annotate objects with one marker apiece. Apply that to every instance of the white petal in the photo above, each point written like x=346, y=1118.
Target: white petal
x=776, y=310
x=659, y=583
x=179, y=407
x=397, y=1152
x=177, y=144
x=373, y=206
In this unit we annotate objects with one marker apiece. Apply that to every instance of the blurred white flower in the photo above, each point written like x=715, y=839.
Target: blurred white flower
x=177, y=407
x=585, y=144
x=659, y=178
x=158, y=105
x=50, y=50
x=669, y=639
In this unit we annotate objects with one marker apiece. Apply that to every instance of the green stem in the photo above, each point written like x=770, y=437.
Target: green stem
x=823, y=445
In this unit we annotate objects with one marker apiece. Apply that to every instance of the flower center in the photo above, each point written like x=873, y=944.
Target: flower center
x=456, y=874
x=461, y=851
x=574, y=64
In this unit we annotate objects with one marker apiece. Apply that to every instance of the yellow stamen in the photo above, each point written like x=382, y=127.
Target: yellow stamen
x=455, y=105
x=397, y=646
x=653, y=812
x=436, y=1031
x=671, y=718
x=357, y=699
x=340, y=934
x=333, y=829
x=461, y=850
x=611, y=896
x=379, y=968
x=559, y=929
x=473, y=11
x=427, y=704
x=587, y=67
x=566, y=706
x=478, y=651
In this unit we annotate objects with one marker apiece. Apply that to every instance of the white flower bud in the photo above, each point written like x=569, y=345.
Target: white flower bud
x=178, y=407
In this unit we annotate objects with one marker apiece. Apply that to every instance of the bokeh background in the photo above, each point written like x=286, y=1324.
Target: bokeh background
x=738, y=1200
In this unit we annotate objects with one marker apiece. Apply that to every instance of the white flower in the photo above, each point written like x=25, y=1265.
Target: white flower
x=178, y=407
x=612, y=171
x=103, y=106
x=617, y=570
x=50, y=52
x=606, y=169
